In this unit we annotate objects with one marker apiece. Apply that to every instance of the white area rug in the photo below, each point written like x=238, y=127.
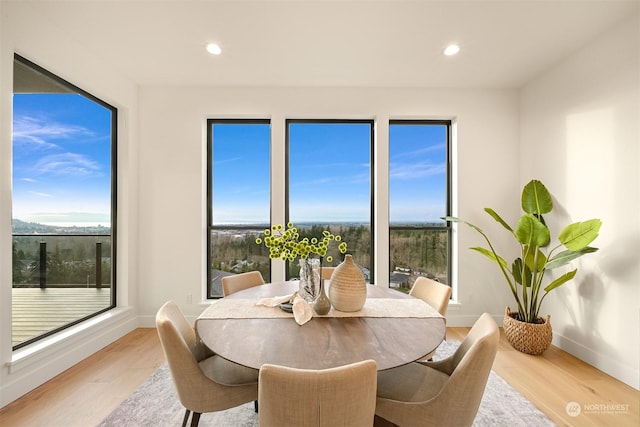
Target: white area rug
x=155, y=404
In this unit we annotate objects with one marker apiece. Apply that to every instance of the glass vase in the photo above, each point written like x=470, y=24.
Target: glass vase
x=309, y=288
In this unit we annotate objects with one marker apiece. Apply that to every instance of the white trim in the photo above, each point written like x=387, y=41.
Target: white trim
x=629, y=375
x=43, y=360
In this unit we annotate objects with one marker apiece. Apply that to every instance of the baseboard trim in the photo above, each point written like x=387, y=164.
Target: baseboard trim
x=627, y=374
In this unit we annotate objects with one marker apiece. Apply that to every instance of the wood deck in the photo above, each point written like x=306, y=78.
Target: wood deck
x=37, y=311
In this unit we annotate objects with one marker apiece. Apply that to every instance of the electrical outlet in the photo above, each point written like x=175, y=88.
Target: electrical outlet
x=189, y=299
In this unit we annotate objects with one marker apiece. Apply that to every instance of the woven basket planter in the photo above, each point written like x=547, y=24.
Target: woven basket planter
x=530, y=338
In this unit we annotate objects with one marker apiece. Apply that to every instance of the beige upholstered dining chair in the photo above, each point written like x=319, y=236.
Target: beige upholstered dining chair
x=436, y=294
x=204, y=384
x=442, y=393
x=342, y=396
x=327, y=272
x=237, y=282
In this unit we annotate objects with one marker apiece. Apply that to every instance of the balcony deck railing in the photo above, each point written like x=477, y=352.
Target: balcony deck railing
x=58, y=280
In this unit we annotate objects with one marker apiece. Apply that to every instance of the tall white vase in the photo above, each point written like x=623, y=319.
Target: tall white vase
x=348, y=290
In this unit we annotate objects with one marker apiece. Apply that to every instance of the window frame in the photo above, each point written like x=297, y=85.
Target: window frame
x=113, y=196
x=282, y=150
x=448, y=227
x=210, y=226
x=372, y=125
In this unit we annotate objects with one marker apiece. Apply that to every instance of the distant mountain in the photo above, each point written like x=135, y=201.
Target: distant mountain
x=22, y=227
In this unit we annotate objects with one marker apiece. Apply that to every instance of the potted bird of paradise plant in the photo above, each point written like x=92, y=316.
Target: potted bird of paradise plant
x=525, y=329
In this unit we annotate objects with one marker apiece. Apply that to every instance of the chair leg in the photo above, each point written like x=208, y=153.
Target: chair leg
x=195, y=419
x=255, y=406
x=378, y=421
x=186, y=418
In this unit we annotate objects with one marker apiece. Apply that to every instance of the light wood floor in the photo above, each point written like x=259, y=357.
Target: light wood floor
x=83, y=395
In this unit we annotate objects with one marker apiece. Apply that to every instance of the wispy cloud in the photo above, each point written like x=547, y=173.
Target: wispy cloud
x=247, y=190
x=407, y=171
x=40, y=194
x=331, y=173
x=436, y=148
x=229, y=160
x=66, y=164
x=357, y=176
x=42, y=132
x=323, y=180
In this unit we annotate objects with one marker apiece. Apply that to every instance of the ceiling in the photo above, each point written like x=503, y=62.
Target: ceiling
x=394, y=43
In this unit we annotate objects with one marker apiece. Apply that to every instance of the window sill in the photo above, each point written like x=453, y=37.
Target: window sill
x=47, y=347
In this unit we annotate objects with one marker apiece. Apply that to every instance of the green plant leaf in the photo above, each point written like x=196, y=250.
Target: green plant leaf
x=486, y=252
x=530, y=258
x=560, y=280
x=497, y=217
x=565, y=257
x=578, y=235
x=531, y=232
x=536, y=198
x=517, y=269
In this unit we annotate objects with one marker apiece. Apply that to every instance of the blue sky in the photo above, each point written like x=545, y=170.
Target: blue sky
x=330, y=173
x=241, y=162
x=417, y=173
x=61, y=167
x=61, y=159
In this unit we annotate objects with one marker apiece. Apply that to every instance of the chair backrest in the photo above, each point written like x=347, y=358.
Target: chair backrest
x=471, y=365
x=182, y=351
x=238, y=282
x=342, y=396
x=327, y=272
x=434, y=293
x=455, y=391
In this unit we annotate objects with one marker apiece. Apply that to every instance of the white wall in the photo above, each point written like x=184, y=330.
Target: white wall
x=578, y=124
x=580, y=134
x=173, y=170
x=25, y=31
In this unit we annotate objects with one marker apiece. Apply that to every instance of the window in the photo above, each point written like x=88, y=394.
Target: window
x=238, y=198
x=329, y=184
x=64, y=213
x=419, y=241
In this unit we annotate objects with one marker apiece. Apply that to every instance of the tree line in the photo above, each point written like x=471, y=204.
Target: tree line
x=419, y=251
x=70, y=260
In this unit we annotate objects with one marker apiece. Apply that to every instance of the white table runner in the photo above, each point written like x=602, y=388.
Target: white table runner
x=237, y=308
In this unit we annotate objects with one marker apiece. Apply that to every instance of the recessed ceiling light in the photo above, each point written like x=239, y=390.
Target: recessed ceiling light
x=214, y=49
x=452, y=49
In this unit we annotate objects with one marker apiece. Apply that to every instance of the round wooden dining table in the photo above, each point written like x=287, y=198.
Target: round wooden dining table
x=324, y=341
